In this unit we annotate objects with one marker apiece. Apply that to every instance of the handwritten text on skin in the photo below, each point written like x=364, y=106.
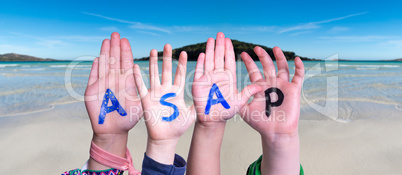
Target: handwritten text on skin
x=214, y=90
x=176, y=110
x=220, y=99
x=269, y=103
x=107, y=109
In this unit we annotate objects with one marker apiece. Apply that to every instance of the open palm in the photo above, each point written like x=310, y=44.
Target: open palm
x=113, y=70
x=218, y=66
x=161, y=101
x=283, y=119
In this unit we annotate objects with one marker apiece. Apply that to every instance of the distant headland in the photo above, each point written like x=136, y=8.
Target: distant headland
x=18, y=57
x=239, y=46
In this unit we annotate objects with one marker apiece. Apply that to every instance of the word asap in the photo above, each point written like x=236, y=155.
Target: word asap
x=107, y=109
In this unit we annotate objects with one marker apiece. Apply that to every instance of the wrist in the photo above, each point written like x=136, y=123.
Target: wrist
x=162, y=151
x=210, y=124
x=280, y=141
x=115, y=144
x=280, y=155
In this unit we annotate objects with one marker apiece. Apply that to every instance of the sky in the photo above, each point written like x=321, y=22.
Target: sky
x=358, y=30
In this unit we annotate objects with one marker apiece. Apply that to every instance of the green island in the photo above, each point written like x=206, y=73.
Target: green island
x=239, y=46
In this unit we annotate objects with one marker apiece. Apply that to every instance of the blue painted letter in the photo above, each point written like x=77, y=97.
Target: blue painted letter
x=176, y=110
x=220, y=99
x=107, y=109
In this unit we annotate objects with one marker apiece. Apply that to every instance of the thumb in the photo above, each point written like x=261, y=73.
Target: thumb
x=249, y=91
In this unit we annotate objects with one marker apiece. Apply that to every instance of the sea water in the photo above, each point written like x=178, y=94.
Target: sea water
x=338, y=90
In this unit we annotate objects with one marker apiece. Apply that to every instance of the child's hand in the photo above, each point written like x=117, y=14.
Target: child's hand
x=284, y=116
x=166, y=115
x=274, y=111
x=113, y=70
x=218, y=66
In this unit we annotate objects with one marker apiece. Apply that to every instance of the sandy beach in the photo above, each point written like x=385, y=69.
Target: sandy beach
x=51, y=142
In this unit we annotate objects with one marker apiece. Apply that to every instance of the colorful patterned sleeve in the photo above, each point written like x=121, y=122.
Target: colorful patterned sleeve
x=255, y=168
x=93, y=172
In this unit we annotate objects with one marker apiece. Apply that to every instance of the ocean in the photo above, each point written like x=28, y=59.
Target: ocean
x=342, y=91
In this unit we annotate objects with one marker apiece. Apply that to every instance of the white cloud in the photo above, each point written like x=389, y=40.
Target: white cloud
x=148, y=27
x=81, y=38
x=340, y=18
x=110, y=29
x=300, y=27
x=393, y=43
x=314, y=25
x=190, y=28
x=149, y=33
x=8, y=48
x=51, y=43
x=54, y=41
x=42, y=41
x=366, y=38
x=259, y=28
x=135, y=25
x=300, y=33
x=338, y=29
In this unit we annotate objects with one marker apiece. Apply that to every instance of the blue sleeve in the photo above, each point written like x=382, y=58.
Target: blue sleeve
x=152, y=167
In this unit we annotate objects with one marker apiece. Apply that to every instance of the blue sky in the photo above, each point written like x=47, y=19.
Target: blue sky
x=69, y=29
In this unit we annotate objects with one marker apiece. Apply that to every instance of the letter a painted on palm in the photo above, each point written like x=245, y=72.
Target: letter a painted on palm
x=220, y=99
x=107, y=109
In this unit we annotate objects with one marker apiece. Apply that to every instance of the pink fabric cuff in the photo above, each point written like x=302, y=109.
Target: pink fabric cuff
x=113, y=161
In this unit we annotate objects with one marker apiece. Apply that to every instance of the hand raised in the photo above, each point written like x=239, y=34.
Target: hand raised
x=166, y=115
x=111, y=98
x=275, y=109
x=215, y=92
x=113, y=70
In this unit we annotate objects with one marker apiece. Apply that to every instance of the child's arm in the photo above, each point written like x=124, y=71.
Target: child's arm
x=112, y=70
x=165, y=112
x=217, y=100
x=274, y=111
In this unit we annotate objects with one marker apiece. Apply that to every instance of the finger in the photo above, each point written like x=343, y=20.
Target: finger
x=230, y=62
x=167, y=65
x=127, y=65
x=199, y=68
x=180, y=77
x=139, y=82
x=283, y=68
x=114, y=60
x=267, y=63
x=249, y=91
x=127, y=61
x=127, y=81
x=299, y=72
x=209, y=55
x=93, y=76
x=104, y=56
x=252, y=69
x=153, y=69
x=219, y=51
